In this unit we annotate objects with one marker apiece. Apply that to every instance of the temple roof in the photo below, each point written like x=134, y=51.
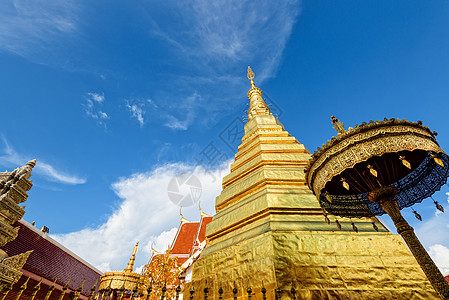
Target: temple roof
x=201, y=234
x=185, y=238
x=50, y=259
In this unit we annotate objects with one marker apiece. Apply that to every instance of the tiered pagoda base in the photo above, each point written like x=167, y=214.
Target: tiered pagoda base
x=269, y=227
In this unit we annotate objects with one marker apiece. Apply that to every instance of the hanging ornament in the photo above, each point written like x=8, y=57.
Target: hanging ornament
x=375, y=226
x=439, y=207
x=372, y=170
x=437, y=160
x=405, y=162
x=328, y=197
x=327, y=219
x=354, y=227
x=418, y=216
x=338, y=224
x=345, y=183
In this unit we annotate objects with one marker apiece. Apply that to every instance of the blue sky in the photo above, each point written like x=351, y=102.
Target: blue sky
x=113, y=100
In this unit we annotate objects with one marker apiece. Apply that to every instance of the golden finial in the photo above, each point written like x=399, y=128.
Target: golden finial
x=202, y=214
x=250, y=76
x=250, y=73
x=183, y=220
x=338, y=125
x=154, y=250
x=257, y=105
x=130, y=266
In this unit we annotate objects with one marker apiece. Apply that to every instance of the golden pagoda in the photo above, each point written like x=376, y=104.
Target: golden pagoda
x=118, y=283
x=270, y=231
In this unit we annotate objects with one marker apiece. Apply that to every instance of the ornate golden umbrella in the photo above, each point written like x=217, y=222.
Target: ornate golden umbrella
x=381, y=167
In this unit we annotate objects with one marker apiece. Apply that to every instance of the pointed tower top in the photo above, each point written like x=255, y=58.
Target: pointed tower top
x=256, y=105
x=31, y=163
x=250, y=76
x=130, y=266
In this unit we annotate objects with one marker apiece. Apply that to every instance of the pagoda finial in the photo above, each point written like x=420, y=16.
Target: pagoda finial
x=250, y=76
x=130, y=266
x=257, y=105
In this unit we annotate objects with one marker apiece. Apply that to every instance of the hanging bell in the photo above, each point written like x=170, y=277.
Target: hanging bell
x=375, y=226
x=405, y=162
x=328, y=197
x=372, y=170
x=418, y=216
x=439, y=207
x=338, y=224
x=354, y=227
x=345, y=183
x=437, y=160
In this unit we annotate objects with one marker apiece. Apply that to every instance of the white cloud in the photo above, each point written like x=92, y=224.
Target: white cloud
x=145, y=214
x=55, y=175
x=92, y=108
x=440, y=255
x=28, y=27
x=152, y=103
x=187, y=109
x=11, y=159
x=96, y=97
x=221, y=38
x=137, y=112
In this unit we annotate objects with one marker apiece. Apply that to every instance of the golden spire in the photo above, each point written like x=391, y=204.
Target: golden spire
x=202, y=213
x=183, y=220
x=250, y=76
x=130, y=266
x=256, y=104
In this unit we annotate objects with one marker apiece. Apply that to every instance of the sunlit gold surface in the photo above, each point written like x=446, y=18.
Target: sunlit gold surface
x=270, y=227
x=126, y=279
x=257, y=105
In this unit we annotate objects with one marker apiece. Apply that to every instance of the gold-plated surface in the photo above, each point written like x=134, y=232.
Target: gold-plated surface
x=256, y=105
x=126, y=279
x=270, y=227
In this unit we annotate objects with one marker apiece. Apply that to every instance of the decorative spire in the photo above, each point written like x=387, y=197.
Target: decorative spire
x=203, y=214
x=338, y=125
x=130, y=266
x=250, y=76
x=155, y=252
x=183, y=220
x=256, y=105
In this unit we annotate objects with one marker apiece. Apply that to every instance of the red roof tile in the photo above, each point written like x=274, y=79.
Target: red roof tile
x=50, y=260
x=182, y=260
x=202, y=231
x=185, y=238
